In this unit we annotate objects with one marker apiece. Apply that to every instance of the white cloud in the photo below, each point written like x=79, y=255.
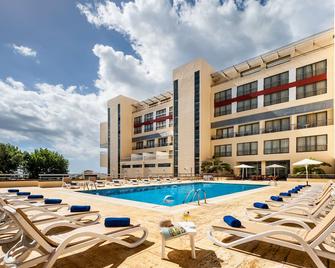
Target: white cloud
x=52, y=115
x=164, y=36
x=24, y=51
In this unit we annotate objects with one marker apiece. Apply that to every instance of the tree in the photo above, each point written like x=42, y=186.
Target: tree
x=312, y=169
x=43, y=161
x=215, y=165
x=10, y=158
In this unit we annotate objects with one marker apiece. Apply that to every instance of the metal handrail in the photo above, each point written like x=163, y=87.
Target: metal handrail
x=188, y=194
x=196, y=193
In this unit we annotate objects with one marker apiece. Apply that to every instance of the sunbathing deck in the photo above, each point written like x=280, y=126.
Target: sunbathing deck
x=253, y=254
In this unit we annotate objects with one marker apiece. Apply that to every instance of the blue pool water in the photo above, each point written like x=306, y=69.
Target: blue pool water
x=172, y=194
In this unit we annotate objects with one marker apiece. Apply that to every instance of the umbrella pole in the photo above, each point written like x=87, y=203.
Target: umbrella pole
x=306, y=174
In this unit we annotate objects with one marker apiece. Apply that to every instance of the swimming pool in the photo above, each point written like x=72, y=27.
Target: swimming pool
x=173, y=194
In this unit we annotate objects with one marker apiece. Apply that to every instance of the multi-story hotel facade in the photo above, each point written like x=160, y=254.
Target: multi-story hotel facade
x=275, y=108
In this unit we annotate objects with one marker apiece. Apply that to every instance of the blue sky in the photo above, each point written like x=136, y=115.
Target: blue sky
x=62, y=60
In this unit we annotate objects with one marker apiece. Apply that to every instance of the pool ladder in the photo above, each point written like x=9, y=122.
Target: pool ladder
x=196, y=193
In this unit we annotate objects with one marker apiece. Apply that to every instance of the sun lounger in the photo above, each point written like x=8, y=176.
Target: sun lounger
x=50, y=247
x=305, y=212
x=309, y=241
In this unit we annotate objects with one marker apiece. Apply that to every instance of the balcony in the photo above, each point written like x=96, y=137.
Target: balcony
x=156, y=145
x=319, y=123
x=103, y=135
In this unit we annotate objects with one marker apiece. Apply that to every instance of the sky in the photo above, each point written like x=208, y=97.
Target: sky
x=60, y=61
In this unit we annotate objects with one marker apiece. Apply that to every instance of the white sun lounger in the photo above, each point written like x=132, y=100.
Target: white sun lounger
x=50, y=247
x=310, y=241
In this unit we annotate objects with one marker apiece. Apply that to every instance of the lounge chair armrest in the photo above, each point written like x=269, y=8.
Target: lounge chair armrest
x=291, y=221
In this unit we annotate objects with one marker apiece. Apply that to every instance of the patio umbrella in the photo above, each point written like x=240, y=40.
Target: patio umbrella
x=243, y=166
x=307, y=162
x=274, y=166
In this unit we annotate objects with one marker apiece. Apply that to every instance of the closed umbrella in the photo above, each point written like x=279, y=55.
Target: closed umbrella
x=307, y=162
x=274, y=166
x=243, y=166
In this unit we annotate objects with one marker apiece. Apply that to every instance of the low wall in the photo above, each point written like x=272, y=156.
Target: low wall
x=32, y=183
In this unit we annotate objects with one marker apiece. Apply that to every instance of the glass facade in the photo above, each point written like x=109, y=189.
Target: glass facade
x=222, y=95
x=279, y=146
x=312, y=120
x=310, y=90
x=276, y=125
x=247, y=148
x=223, y=133
x=161, y=124
x=222, y=150
x=197, y=122
x=222, y=110
x=276, y=80
x=311, y=70
x=277, y=97
x=160, y=113
x=312, y=143
x=248, y=129
x=247, y=89
x=247, y=105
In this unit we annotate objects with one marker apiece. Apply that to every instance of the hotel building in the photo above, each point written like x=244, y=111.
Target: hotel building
x=273, y=108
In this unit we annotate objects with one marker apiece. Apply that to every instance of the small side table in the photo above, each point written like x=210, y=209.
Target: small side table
x=190, y=231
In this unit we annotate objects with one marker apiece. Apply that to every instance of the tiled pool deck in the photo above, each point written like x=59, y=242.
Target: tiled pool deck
x=254, y=254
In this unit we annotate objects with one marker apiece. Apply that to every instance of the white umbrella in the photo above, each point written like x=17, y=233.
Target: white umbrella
x=307, y=162
x=243, y=166
x=274, y=166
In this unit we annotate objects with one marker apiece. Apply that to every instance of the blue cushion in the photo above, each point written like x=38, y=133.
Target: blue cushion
x=13, y=190
x=277, y=198
x=231, y=221
x=52, y=201
x=117, y=222
x=80, y=208
x=23, y=193
x=261, y=205
x=35, y=196
x=285, y=194
x=292, y=191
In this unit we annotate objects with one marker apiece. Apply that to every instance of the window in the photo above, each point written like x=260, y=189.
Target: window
x=276, y=146
x=164, y=165
x=276, y=125
x=222, y=110
x=170, y=122
x=125, y=166
x=149, y=127
x=311, y=70
x=161, y=124
x=247, y=105
x=162, y=142
x=277, y=97
x=150, y=143
x=312, y=120
x=148, y=117
x=222, y=150
x=223, y=133
x=137, y=166
x=137, y=120
x=170, y=110
x=249, y=129
x=137, y=130
x=160, y=113
x=247, y=88
x=222, y=95
x=276, y=80
x=149, y=165
x=312, y=143
x=314, y=89
x=247, y=148
x=139, y=145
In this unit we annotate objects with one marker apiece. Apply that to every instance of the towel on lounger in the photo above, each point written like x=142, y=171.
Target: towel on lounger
x=23, y=193
x=35, y=196
x=285, y=194
x=13, y=190
x=261, y=205
x=231, y=221
x=80, y=208
x=172, y=231
x=117, y=222
x=52, y=201
x=277, y=198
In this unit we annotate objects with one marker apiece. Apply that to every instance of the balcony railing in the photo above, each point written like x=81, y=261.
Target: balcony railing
x=248, y=152
x=267, y=130
x=156, y=145
x=312, y=148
